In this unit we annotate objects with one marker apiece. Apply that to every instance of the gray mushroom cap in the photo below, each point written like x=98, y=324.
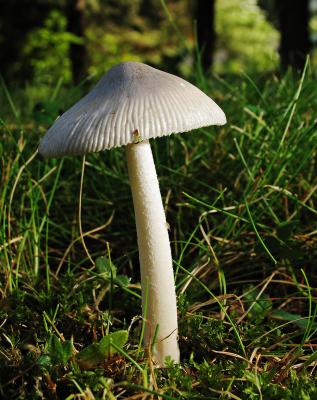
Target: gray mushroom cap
x=132, y=101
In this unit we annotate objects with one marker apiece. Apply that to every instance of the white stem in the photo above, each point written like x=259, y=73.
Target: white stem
x=157, y=276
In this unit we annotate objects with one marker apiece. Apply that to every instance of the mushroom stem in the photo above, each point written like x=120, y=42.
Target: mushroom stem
x=157, y=278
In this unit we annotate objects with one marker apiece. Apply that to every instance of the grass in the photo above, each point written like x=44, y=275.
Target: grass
x=241, y=204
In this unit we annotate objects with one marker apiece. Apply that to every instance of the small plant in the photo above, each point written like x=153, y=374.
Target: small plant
x=96, y=353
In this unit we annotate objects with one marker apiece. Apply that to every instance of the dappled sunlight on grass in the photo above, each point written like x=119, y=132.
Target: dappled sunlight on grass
x=241, y=204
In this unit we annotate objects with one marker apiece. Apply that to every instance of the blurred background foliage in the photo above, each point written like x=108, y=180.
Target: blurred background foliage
x=43, y=40
x=247, y=41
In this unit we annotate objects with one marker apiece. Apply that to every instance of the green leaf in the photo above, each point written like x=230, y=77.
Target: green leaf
x=44, y=361
x=106, y=267
x=55, y=349
x=59, y=352
x=298, y=319
x=107, y=270
x=260, y=305
x=96, y=353
x=90, y=356
x=122, y=280
x=68, y=351
x=119, y=338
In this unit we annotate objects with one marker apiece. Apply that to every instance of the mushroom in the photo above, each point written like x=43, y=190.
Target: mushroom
x=132, y=103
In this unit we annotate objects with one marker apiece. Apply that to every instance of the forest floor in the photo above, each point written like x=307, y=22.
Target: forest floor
x=241, y=203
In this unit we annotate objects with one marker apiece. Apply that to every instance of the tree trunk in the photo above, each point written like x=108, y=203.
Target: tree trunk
x=294, y=28
x=77, y=51
x=206, y=35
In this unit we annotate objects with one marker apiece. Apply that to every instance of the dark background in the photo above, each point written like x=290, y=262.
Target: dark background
x=43, y=40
